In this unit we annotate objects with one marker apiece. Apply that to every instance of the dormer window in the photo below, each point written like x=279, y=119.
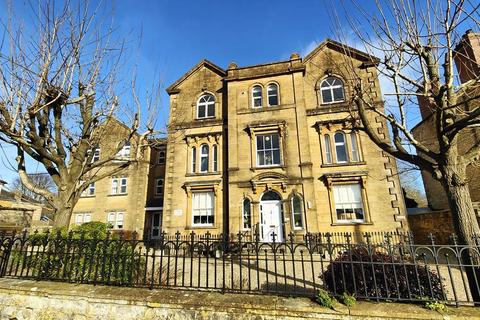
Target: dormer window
x=332, y=90
x=206, y=107
x=257, y=96
x=272, y=94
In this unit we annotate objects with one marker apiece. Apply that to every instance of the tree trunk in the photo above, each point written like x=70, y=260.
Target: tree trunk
x=464, y=220
x=63, y=210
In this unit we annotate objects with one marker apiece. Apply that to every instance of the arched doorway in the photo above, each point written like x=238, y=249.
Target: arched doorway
x=271, y=226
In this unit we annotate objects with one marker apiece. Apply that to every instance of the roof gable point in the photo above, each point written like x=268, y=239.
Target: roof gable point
x=202, y=63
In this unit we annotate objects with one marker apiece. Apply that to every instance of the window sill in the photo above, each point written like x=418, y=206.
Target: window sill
x=87, y=196
x=200, y=227
x=200, y=174
x=264, y=108
x=351, y=223
x=329, y=108
x=348, y=164
x=117, y=195
x=268, y=167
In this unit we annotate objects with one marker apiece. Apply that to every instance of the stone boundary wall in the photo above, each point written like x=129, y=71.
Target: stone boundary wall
x=26, y=299
x=439, y=223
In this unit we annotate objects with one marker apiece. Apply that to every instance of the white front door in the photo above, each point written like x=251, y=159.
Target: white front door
x=270, y=221
x=156, y=224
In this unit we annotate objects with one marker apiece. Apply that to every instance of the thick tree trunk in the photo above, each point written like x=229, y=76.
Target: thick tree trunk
x=63, y=210
x=464, y=220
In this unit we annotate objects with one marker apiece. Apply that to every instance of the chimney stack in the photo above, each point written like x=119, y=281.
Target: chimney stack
x=467, y=56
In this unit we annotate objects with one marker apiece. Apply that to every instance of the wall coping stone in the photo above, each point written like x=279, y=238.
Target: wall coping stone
x=184, y=304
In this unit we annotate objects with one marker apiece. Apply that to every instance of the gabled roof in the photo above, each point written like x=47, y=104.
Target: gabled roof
x=203, y=63
x=342, y=48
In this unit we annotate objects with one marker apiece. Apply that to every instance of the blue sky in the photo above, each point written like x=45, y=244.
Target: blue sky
x=176, y=35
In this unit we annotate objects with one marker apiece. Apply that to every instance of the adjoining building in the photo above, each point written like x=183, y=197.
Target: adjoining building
x=120, y=199
x=270, y=149
x=467, y=60
x=19, y=212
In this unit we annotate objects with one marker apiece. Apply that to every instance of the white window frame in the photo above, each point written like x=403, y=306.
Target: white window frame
x=159, y=185
x=82, y=217
x=297, y=213
x=118, y=216
x=117, y=184
x=161, y=159
x=96, y=154
x=355, y=156
x=327, y=141
x=208, y=210
x=124, y=153
x=202, y=156
x=243, y=214
x=276, y=94
x=272, y=149
x=352, y=204
x=331, y=88
x=260, y=97
x=207, y=104
x=339, y=144
x=89, y=191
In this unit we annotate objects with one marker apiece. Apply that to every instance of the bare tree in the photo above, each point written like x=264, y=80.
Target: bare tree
x=60, y=76
x=39, y=180
x=415, y=45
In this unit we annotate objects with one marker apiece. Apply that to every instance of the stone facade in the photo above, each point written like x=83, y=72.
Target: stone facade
x=269, y=148
x=121, y=203
x=18, y=212
x=467, y=58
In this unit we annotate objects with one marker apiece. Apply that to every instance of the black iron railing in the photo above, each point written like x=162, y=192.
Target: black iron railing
x=381, y=266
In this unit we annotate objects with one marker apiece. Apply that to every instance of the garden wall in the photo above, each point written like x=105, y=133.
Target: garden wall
x=26, y=299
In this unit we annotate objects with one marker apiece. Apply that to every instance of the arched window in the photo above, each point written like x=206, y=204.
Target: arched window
x=257, y=96
x=271, y=195
x=272, y=94
x=340, y=147
x=354, y=147
x=206, y=106
x=247, y=214
x=194, y=159
x=328, y=149
x=297, y=210
x=332, y=90
x=215, y=156
x=204, y=158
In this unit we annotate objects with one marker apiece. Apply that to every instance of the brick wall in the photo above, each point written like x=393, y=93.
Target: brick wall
x=438, y=223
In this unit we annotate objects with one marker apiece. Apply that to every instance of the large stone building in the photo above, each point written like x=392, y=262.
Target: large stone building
x=269, y=148
x=129, y=199
x=467, y=60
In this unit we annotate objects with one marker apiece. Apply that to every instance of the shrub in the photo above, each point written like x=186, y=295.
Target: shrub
x=324, y=299
x=370, y=274
x=348, y=300
x=82, y=255
x=438, y=306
